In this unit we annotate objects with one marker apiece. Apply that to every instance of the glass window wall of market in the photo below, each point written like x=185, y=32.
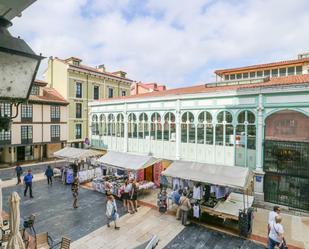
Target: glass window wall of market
x=222, y=137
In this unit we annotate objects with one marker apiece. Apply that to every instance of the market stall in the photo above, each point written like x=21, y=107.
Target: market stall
x=217, y=190
x=81, y=162
x=119, y=166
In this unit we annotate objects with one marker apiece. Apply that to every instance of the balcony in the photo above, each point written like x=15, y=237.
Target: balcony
x=55, y=139
x=27, y=141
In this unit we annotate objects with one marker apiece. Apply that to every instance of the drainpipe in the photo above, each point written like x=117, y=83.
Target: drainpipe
x=42, y=132
x=87, y=99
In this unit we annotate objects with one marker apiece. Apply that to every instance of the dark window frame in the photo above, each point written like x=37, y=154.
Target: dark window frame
x=78, y=131
x=110, y=92
x=55, y=113
x=26, y=113
x=26, y=134
x=35, y=90
x=78, y=110
x=96, y=92
x=55, y=133
x=79, y=90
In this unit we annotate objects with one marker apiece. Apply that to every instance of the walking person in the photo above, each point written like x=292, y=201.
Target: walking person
x=111, y=211
x=75, y=188
x=28, y=183
x=49, y=174
x=271, y=217
x=133, y=196
x=185, y=206
x=19, y=172
x=275, y=237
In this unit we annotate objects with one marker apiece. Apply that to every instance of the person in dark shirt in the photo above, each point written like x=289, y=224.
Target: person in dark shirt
x=49, y=174
x=28, y=183
x=74, y=188
x=19, y=172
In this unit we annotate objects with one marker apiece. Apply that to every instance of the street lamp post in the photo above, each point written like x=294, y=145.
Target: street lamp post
x=18, y=69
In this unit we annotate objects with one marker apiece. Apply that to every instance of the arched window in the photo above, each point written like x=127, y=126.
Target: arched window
x=169, y=127
x=224, y=129
x=120, y=125
x=132, y=126
x=187, y=128
x=245, y=139
x=95, y=125
x=111, y=125
x=143, y=127
x=205, y=128
x=103, y=127
x=156, y=126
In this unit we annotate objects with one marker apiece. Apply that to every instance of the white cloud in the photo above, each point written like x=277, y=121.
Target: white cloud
x=168, y=41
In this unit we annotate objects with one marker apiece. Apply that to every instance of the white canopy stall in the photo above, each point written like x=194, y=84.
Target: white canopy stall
x=75, y=156
x=134, y=166
x=227, y=176
x=76, y=153
x=127, y=161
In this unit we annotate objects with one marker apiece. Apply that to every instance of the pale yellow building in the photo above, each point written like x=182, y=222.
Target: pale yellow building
x=39, y=129
x=80, y=84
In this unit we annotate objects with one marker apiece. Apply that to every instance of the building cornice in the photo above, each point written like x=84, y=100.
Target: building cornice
x=232, y=93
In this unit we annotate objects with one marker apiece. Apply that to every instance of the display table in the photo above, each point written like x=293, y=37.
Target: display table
x=118, y=182
x=229, y=208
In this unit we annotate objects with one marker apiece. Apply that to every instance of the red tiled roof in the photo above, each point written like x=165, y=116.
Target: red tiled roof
x=50, y=95
x=92, y=69
x=260, y=66
x=288, y=80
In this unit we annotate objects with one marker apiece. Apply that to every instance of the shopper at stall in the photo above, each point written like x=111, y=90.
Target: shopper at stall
x=111, y=211
x=19, y=172
x=133, y=196
x=126, y=196
x=108, y=186
x=74, y=188
x=185, y=207
x=28, y=183
x=176, y=198
x=276, y=234
x=272, y=215
x=49, y=174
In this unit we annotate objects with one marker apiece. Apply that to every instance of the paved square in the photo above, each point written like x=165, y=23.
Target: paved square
x=52, y=206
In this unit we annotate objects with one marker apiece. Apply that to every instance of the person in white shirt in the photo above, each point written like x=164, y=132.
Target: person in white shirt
x=272, y=215
x=111, y=211
x=275, y=237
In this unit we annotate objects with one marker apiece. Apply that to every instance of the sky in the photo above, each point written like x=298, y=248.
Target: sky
x=173, y=42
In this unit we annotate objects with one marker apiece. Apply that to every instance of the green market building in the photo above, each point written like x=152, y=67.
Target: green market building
x=255, y=117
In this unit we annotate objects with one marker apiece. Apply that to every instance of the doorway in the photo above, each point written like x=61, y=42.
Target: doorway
x=21, y=153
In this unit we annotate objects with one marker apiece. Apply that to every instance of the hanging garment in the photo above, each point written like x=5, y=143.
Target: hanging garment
x=197, y=193
x=176, y=184
x=220, y=192
x=207, y=192
x=196, y=211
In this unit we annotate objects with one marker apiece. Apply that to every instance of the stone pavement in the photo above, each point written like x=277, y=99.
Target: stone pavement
x=198, y=237
x=134, y=230
x=52, y=206
x=296, y=228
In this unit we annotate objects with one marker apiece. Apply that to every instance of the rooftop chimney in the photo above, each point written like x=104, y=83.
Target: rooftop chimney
x=101, y=68
x=121, y=74
x=303, y=56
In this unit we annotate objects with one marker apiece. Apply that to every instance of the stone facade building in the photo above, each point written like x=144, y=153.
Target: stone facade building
x=39, y=129
x=80, y=84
